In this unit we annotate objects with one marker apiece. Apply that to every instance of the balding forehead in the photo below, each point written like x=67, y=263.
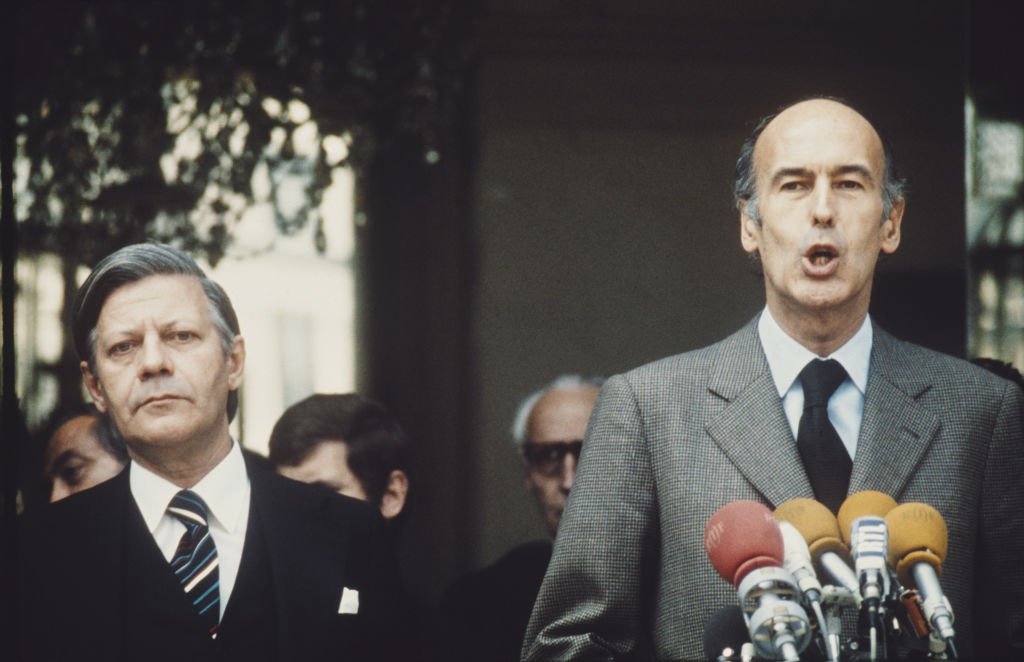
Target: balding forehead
x=819, y=134
x=821, y=112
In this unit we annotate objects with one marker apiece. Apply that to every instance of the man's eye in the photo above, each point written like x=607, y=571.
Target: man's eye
x=71, y=476
x=793, y=186
x=121, y=347
x=183, y=336
x=849, y=185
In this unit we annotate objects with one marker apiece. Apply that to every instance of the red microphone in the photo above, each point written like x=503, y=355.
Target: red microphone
x=741, y=537
x=744, y=544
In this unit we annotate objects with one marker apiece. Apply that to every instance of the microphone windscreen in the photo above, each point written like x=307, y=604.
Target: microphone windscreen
x=816, y=524
x=862, y=504
x=727, y=628
x=917, y=534
x=740, y=537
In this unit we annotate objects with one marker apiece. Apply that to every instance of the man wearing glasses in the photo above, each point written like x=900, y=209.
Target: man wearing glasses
x=487, y=610
x=549, y=428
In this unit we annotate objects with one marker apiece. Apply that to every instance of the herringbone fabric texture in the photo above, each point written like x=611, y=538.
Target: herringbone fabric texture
x=195, y=561
x=825, y=458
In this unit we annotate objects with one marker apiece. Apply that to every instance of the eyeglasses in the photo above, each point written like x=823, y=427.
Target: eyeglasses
x=549, y=457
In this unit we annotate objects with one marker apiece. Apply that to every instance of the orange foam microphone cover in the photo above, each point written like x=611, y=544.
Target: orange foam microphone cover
x=863, y=504
x=740, y=537
x=816, y=524
x=917, y=534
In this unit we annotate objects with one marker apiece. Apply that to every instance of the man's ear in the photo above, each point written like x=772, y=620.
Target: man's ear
x=750, y=229
x=891, y=227
x=93, y=384
x=236, y=362
x=393, y=501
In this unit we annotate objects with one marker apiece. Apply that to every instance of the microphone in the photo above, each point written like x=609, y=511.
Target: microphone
x=798, y=563
x=744, y=544
x=864, y=529
x=725, y=634
x=818, y=526
x=918, y=542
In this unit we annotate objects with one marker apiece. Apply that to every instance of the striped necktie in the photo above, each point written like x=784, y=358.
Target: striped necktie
x=195, y=561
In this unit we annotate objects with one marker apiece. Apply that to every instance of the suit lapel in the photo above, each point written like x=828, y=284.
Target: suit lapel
x=752, y=429
x=895, y=430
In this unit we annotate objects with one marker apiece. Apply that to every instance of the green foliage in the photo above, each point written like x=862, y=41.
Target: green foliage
x=147, y=120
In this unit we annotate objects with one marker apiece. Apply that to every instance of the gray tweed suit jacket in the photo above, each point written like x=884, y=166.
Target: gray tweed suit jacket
x=673, y=441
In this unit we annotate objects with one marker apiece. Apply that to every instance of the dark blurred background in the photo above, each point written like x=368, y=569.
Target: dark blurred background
x=540, y=187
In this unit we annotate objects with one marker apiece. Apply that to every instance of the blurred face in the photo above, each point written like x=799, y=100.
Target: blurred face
x=555, y=432
x=161, y=372
x=819, y=169
x=76, y=460
x=327, y=465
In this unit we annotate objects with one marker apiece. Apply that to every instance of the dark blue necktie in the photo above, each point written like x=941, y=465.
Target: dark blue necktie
x=825, y=458
x=195, y=561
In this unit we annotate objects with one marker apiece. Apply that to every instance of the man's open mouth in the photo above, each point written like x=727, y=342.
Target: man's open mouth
x=819, y=256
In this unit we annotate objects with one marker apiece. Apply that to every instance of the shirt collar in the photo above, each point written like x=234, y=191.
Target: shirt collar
x=224, y=489
x=787, y=357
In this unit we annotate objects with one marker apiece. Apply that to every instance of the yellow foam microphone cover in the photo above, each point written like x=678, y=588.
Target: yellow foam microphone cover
x=862, y=504
x=816, y=524
x=917, y=534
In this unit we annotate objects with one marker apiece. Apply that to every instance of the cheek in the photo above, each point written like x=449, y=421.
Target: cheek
x=547, y=488
x=535, y=483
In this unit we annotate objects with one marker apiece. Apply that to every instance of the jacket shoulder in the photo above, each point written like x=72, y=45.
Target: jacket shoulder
x=907, y=361
x=75, y=517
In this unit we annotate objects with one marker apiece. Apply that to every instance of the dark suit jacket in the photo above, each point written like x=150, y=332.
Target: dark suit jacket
x=672, y=442
x=484, y=613
x=80, y=583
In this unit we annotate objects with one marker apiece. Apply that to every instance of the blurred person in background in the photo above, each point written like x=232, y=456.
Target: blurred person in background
x=352, y=445
x=485, y=612
x=347, y=443
x=84, y=450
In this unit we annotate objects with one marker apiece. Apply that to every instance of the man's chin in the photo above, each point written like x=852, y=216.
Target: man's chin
x=161, y=434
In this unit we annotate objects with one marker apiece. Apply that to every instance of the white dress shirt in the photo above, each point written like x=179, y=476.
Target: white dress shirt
x=787, y=357
x=226, y=491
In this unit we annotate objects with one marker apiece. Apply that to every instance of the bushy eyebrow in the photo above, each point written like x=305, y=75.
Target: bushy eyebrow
x=171, y=325
x=853, y=169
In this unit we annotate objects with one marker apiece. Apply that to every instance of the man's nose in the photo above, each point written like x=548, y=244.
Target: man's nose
x=59, y=491
x=568, y=472
x=823, y=199
x=154, y=359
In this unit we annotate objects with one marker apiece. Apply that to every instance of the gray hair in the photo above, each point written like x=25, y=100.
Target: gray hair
x=745, y=187
x=560, y=383
x=132, y=264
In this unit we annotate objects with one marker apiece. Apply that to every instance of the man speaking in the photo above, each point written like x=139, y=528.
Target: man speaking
x=189, y=553
x=672, y=442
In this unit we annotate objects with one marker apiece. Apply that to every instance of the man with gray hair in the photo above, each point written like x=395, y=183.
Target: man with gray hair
x=486, y=611
x=194, y=552
x=548, y=429
x=809, y=400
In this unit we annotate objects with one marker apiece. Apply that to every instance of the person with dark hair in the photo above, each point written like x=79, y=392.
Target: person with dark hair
x=352, y=445
x=83, y=451
x=811, y=399
x=348, y=443
x=485, y=612
x=1004, y=369
x=193, y=552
